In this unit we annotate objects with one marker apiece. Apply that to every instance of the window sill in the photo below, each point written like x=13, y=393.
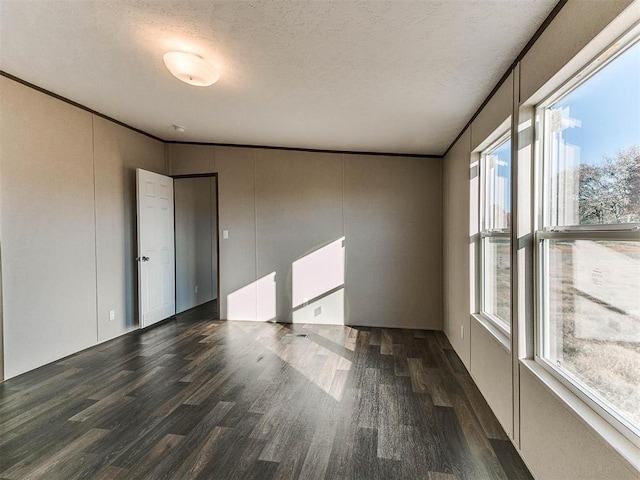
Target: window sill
x=602, y=429
x=498, y=334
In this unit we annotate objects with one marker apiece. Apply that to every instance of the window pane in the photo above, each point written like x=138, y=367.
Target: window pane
x=592, y=324
x=497, y=279
x=497, y=164
x=593, y=167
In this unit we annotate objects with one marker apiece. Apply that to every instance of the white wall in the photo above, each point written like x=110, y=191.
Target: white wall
x=558, y=436
x=67, y=226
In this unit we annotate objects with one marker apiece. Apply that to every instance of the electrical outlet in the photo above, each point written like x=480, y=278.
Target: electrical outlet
x=112, y=315
x=461, y=331
x=195, y=289
x=317, y=311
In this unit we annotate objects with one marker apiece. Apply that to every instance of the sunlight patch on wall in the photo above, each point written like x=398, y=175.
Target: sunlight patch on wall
x=266, y=293
x=318, y=286
x=318, y=273
x=254, y=302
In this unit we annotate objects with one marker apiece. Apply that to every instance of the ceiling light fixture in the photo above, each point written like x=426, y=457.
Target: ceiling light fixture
x=179, y=128
x=191, y=68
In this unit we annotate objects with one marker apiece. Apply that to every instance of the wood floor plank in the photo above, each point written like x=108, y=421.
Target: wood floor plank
x=419, y=379
x=197, y=460
x=513, y=466
x=317, y=459
x=40, y=437
x=24, y=398
x=365, y=450
x=388, y=439
x=28, y=470
x=197, y=398
x=12, y=422
x=440, y=476
x=295, y=449
x=487, y=419
x=401, y=368
x=375, y=338
x=341, y=453
x=112, y=473
x=386, y=342
x=145, y=467
x=262, y=470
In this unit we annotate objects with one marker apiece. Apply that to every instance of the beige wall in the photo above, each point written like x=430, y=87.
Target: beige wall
x=298, y=210
x=491, y=370
x=557, y=445
x=67, y=225
x=456, y=242
x=190, y=159
x=557, y=435
x=490, y=364
x=393, y=229
x=494, y=113
x=280, y=206
x=236, y=169
x=48, y=228
x=118, y=152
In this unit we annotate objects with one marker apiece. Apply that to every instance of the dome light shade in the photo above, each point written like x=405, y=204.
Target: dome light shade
x=191, y=68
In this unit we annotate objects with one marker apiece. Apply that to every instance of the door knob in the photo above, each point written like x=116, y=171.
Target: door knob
x=142, y=259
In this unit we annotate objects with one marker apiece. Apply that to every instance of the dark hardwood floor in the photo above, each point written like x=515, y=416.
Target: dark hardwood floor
x=210, y=399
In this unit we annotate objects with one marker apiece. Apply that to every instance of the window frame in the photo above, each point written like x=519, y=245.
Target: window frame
x=544, y=232
x=503, y=327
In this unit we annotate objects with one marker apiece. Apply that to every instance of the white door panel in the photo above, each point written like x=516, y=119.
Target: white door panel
x=156, y=265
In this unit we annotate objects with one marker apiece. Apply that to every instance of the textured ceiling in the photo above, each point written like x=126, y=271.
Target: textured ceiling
x=384, y=76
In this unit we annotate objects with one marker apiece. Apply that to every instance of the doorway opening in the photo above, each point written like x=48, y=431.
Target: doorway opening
x=196, y=242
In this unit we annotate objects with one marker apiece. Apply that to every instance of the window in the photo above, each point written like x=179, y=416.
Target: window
x=495, y=241
x=588, y=238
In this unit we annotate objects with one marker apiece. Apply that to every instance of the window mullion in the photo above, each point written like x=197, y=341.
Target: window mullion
x=612, y=235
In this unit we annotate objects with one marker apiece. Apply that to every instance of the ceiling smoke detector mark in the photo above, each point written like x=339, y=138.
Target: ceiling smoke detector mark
x=179, y=128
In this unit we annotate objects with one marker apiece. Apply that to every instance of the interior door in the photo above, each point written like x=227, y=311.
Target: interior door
x=156, y=250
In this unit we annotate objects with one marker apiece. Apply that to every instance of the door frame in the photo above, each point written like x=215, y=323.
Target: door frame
x=217, y=216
